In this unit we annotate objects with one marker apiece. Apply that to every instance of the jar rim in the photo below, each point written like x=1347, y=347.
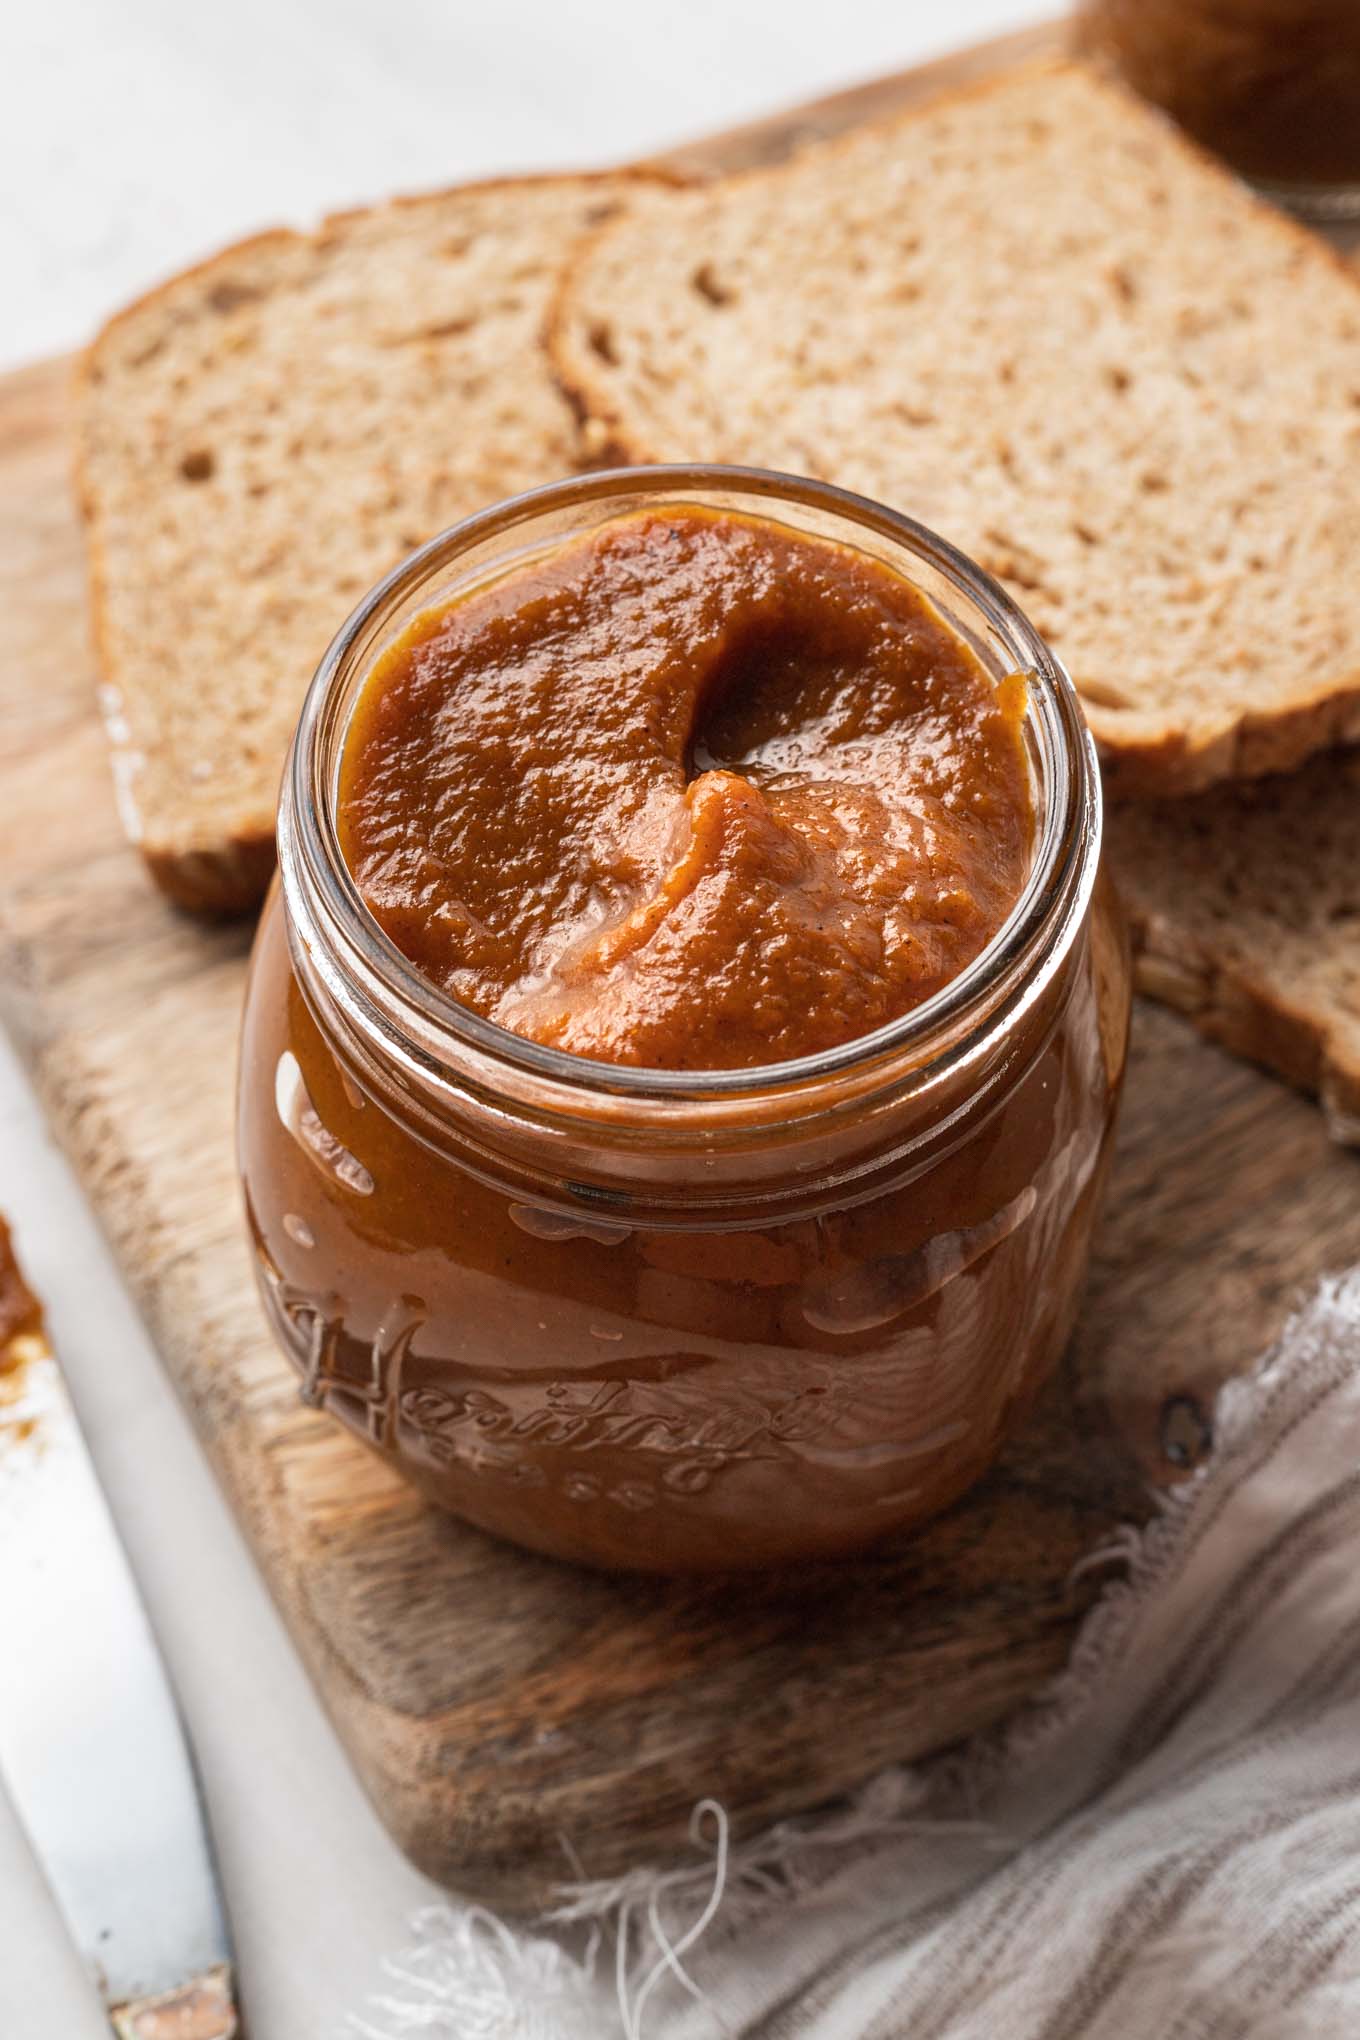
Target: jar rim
x=949, y=1022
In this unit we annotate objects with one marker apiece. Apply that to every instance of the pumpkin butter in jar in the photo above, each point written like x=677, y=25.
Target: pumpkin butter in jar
x=682, y=1048
x=1272, y=86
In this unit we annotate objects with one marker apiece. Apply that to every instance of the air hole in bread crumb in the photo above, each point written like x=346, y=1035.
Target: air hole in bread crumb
x=1153, y=482
x=199, y=464
x=1103, y=694
x=227, y=297
x=1119, y=380
x=438, y=329
x=601, y=338
x=1123, y=284
x=1012, y=562
x=706, y=283
x=1084, y=533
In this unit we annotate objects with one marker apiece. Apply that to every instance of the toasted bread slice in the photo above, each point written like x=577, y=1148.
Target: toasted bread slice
x=1036, y=319
x=1245, y=905
x=260, y=440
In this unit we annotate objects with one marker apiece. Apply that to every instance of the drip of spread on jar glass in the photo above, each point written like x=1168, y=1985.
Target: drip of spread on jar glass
x=694, y=792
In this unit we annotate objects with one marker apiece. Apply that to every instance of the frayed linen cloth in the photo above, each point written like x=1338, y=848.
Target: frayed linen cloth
x=1166, y=1846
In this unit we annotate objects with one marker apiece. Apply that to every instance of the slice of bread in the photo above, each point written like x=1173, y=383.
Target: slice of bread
x=260, y=440
x=1037, y=320
x=1245, y=905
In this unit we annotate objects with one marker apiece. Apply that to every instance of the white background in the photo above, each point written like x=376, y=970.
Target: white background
x=136, y=135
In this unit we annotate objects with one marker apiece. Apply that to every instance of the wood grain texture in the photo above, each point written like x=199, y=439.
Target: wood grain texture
x=516, y=1720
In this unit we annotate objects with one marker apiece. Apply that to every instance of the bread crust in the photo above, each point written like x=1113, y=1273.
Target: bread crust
x=1246, y=747
x=1243, y=745
x=1230, y=1006
x=213, y=873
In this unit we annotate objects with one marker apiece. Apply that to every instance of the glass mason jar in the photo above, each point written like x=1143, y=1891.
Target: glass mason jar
x=1272, y=86
x=663, y=1319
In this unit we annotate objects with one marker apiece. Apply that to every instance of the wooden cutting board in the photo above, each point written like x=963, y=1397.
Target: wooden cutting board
x=512, y=1718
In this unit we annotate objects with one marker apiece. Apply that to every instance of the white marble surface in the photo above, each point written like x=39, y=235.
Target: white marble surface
x=134, y=136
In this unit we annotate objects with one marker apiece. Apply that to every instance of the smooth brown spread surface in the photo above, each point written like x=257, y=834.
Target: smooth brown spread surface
x=695, y=791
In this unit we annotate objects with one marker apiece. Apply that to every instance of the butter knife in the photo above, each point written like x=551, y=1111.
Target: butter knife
x=91, y=1746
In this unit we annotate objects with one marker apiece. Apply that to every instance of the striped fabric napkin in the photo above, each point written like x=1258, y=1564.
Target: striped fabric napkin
x=1167, y=1847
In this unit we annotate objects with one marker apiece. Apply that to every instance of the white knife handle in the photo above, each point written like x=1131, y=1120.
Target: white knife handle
x=202, y=2009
